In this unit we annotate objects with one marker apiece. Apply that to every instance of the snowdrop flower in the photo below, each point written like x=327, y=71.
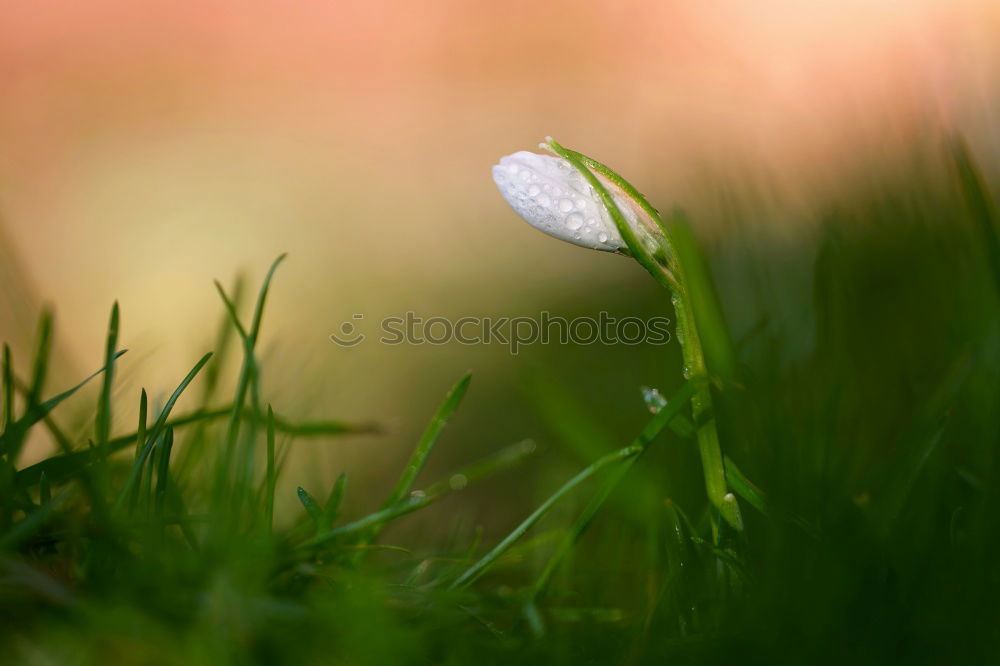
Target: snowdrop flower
x=579, y=200
x=554, y=197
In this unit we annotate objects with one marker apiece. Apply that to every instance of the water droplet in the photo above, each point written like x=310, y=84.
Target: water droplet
x=418, y=494
x=544, y=200
x=592, y=222
x=581, y=204
x=574, y=222
x=654, y=401
x=603, y=237
x=533, y=191
x=458, y=481
x=576, y=236
x=565, y=205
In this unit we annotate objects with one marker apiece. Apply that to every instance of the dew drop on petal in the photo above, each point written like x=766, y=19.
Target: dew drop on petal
x=565, y=205
x=603, y=237
x=574, y=222
x=533, y=191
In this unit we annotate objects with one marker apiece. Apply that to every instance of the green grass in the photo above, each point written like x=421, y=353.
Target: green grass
x=860, y=435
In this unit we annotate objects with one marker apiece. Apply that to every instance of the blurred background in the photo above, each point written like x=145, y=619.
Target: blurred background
x=149, y=148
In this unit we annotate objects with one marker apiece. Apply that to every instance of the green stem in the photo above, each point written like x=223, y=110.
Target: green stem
x=701, y=408
x=670, y=274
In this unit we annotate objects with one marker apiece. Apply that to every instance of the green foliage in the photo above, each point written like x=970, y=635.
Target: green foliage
x=867, y=460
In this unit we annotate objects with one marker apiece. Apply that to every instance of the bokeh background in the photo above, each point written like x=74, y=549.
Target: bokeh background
x=149, y=148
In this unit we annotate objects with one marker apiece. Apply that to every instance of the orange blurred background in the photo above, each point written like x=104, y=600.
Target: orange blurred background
x=147, y=148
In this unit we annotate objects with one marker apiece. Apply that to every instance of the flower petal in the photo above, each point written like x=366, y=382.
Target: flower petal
x=555, y=198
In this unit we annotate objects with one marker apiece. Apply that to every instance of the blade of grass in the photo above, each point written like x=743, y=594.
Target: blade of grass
x=476, y=570
x=44, y=490
x=743, y=487
x=423, y=449
x=103, y=420
x=271, y=478
x=503, y=459
x=720, y=354
x=15, y=433
x=62, y=466
x=8, y=388
x=163, y=470
x=310, y=505
x=42, y=352
x=332, y=507
x=248, y=369
x=135, y=474
x=35, y=521
x=429, y=439
x=140, y=433
x=677, y=564
x=653, y=428
x=12, y=437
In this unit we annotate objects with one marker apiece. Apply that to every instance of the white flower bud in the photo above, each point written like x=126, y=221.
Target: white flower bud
x=552, y=196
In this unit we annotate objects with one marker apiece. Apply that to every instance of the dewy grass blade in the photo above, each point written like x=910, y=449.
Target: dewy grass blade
x=476, y=570
x=501, y=460
x=423, y=449
x=660, y=420
x=743, y=487
x=429, y=439
x=311, y=507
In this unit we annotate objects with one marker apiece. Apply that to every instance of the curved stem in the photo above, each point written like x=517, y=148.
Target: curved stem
x=712, y=463
x=672, y=277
